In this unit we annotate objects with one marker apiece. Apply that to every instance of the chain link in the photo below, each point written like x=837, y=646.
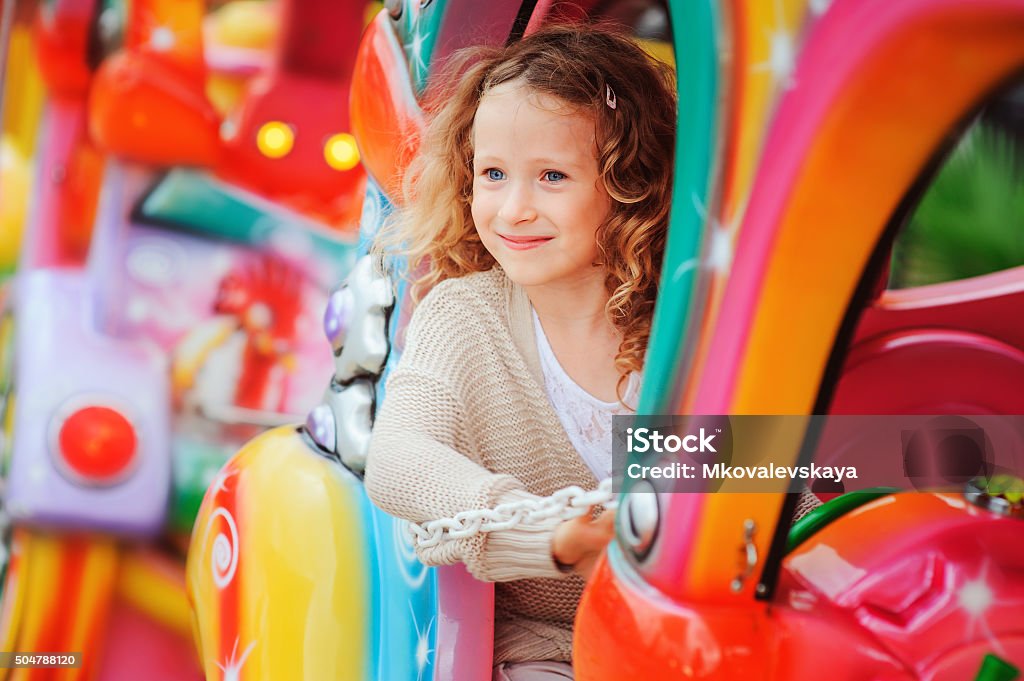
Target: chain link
x=570, y=502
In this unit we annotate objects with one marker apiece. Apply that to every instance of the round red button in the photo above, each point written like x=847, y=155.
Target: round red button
x=97, y=443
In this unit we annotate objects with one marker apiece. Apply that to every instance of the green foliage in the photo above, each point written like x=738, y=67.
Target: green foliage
x=971, y=219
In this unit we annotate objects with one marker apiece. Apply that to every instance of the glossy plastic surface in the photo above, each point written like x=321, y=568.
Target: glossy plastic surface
x=299, y=560
x=851, y=132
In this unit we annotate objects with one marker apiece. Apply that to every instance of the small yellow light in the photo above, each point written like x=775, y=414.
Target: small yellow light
x=275, y=139
x=341, y=152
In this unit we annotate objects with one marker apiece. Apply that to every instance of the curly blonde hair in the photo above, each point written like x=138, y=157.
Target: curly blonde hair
x=635, y=145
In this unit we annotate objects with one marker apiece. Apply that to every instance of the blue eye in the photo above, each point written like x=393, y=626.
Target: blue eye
x=494, y=174
x=554, y=176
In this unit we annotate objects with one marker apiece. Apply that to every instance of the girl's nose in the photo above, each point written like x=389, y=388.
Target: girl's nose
x=517, y=206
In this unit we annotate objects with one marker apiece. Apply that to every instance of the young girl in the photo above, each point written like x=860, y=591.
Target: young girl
x=537, y=214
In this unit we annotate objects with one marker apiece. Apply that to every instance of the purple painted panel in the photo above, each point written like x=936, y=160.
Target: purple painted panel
x=63, y=364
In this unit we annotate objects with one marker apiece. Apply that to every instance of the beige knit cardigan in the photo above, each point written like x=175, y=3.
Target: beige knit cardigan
x=466, y=424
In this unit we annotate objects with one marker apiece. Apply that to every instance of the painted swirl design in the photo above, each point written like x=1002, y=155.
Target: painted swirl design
x=224, y=556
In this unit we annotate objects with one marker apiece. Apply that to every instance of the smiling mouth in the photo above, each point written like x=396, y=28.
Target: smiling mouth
x=524, y=243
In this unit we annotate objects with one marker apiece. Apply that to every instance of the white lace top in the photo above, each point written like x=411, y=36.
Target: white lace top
x=586, y=419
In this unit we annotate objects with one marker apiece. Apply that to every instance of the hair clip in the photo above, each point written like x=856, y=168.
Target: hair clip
x=609, y=97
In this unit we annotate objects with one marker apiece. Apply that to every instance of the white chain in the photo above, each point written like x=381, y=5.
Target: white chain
x=570, y=502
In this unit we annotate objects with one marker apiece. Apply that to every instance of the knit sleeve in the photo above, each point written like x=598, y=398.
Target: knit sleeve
x=416, y=472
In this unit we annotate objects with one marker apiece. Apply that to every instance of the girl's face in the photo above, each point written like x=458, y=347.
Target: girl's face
x=537, y=196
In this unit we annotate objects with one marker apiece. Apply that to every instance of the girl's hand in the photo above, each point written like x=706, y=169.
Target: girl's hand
x=580, y=541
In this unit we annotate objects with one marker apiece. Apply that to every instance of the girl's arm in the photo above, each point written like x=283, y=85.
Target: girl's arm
x=415, y=471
